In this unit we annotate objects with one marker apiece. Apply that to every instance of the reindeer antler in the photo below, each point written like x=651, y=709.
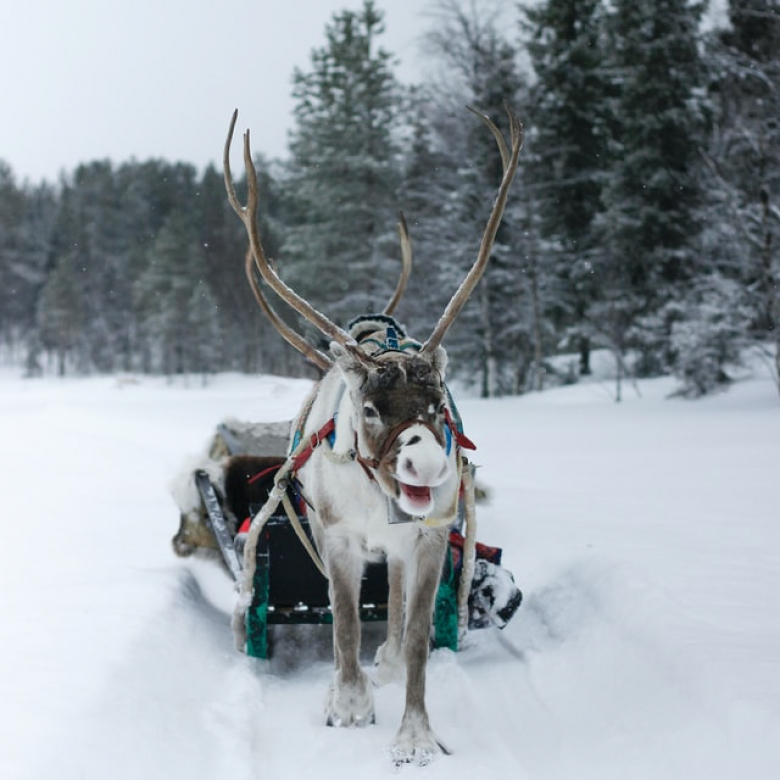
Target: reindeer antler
x=248, y=215
x=509, y=164
x=257, y=257
x=406, y=264
x=292, y=337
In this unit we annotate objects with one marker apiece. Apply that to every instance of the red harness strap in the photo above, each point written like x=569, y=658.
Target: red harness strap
x=264, y=473
x=461, y=439
x=317, y=438
x=314, y=441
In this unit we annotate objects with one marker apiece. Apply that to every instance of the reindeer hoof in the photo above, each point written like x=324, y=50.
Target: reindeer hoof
x=350, y=704
x=334, y=721
x=417, y=754
x=388, y=666
x=416, y=744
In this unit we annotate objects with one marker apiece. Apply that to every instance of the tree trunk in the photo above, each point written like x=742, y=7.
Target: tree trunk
x=584, y=348
x=537, y=326
x=490, y=364
x=770, y=283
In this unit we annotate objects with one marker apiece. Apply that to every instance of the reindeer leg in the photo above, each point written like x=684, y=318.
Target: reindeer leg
x=416, y=741
x=389, y=661
x=351, y=700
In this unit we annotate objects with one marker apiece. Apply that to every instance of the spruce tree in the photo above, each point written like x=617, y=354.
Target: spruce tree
x=21, y=267
x=60, y=314
x=490, y=338
x=164, y=296
x=568, y=152
x=244, y=337
x=340, y=250
x=426, y=193
x=649, y=229
x=744, y=156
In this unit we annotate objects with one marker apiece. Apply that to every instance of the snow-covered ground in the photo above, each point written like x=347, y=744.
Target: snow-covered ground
x=645, y=535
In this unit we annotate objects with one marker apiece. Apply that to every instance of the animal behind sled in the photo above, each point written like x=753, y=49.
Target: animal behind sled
x=380, y=468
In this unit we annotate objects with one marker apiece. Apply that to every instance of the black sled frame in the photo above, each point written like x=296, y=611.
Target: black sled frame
x=288, y=588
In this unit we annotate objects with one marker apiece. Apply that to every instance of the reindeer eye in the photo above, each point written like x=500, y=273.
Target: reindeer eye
x=370, y=413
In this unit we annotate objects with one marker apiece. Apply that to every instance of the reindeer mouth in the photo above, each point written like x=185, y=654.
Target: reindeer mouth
x=418, y=496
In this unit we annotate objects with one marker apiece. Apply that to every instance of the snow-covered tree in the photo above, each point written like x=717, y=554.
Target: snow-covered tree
x=648, y=231
x=744, y=156
x=568, y=147
x=708, y=334
x=248, y=342
x=426, y=197
x=206, y=342
x=478, y=67
x=164, y=293
x=60, y=314
x=26, y=218
x=340, y=249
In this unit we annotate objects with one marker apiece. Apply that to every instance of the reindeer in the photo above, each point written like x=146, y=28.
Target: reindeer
x=381, y=474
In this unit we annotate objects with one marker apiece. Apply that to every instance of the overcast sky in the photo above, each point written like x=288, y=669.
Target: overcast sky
x=82, y=80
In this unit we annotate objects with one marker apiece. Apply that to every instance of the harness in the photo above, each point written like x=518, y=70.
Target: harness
x=393, y=340
x=302, y=449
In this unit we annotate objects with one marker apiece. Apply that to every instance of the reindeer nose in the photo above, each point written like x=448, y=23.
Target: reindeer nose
x=421, y=459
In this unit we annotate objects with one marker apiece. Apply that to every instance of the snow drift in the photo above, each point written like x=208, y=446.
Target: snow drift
x=644, y=535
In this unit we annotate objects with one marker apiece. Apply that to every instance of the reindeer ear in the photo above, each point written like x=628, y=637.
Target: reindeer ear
x=439, y=360
x=337, y=350
x=349, y=361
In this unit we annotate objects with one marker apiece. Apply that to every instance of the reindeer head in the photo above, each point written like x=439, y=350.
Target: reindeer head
x=399, y=418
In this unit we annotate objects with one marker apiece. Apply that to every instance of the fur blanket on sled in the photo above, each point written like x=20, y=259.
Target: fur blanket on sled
x=231, y=439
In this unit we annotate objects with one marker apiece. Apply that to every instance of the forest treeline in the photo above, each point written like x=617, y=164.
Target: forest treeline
x=643, y=220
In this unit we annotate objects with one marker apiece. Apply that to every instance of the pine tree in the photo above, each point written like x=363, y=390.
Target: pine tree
x=744, y=156
x=60, y=314
x=224, y=244
x=708, y=333
x=164, y=297
x=11, y=259
x=489, y=340
x=568, y=148
x=26, y=218
x=425, y=193
x=105, y=287
x=206, y=342
x=340, y=250
x=649, y=229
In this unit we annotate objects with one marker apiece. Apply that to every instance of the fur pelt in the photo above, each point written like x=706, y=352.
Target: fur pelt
x=235, y=447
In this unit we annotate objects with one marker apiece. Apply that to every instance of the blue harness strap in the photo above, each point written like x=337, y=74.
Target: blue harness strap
x=391, y=338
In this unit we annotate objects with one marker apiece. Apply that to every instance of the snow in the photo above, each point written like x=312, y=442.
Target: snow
x=645, y=536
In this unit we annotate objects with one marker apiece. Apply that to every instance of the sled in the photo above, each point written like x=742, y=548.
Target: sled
x=288, y=587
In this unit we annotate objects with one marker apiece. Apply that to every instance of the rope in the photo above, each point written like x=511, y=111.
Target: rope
x=447, y=517
x=469, y=547
x=302, y=535
x=245, y=585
